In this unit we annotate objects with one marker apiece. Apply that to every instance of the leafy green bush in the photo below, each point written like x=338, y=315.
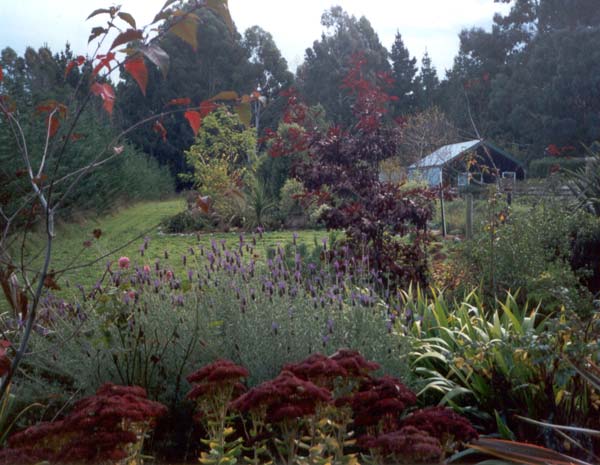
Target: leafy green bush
x=294, y=214
x=504, y=361
x=531, y=250
x=544, y=167
x=187, y=222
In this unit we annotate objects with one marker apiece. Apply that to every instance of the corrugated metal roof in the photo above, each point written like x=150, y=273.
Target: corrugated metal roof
x=445, y=154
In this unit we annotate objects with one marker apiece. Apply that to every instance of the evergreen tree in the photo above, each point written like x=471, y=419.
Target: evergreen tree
x=428, y=83
x=404, y=71
x=320, y=78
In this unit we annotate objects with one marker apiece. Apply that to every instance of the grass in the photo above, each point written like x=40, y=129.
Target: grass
x=123, y=234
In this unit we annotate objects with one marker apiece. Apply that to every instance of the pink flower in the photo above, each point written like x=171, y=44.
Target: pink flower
x=147, y=269
x=169, y=275
x=124, y=262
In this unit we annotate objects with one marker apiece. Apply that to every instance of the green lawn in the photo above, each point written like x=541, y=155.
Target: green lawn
x=126, y=229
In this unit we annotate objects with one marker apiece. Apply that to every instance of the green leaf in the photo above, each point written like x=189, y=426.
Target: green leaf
x=128, y=19
x=187, y=29
x=244, y=111
x=225, y=95
x=221, y=7
x=503, y=429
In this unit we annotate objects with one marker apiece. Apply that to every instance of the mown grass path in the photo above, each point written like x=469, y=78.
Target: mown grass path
x=126, y=230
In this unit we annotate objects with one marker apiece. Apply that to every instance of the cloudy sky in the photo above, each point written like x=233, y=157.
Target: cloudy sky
x=431, y=25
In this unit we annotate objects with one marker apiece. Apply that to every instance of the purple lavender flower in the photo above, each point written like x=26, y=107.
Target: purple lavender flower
x=330, y=325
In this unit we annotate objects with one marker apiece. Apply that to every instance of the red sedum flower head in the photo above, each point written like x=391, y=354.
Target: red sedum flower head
x=319, y=369
x=354, y=363
x=408, y=445
x=98, y=429
x=380, y=402
x=442, y=423
x=286, y=397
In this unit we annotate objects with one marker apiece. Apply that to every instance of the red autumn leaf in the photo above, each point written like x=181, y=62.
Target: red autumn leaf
x=106, y=92
x=104, y=62
x=52, y=124
x=137, y=68
x=76, y=136
x=180, y=101
x=160, y=129
x=96, y=32
x=51, y=105
x=195, y=120
x=128, y=36
x=7, y=104
x=203, y=203
x=1, y=74
x=77, y=61
x=206, y=107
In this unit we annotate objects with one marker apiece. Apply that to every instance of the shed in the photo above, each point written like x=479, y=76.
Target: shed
x=465, y=162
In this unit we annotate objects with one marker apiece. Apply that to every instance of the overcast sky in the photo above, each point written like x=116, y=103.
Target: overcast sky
x=431, y=25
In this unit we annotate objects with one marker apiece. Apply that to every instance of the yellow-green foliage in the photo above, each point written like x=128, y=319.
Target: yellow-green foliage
x=223, y=149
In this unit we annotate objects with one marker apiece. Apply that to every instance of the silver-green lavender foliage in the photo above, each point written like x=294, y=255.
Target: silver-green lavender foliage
x=150, y=327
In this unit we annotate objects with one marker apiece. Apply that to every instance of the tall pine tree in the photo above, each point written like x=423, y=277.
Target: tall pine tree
x=404, y=71
x=428, y=83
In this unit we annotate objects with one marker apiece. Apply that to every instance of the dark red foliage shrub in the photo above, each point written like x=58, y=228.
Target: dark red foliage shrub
x=286, y=397
x=99, y=428
x=379, y=403
x=345, y=163
x=408, y=445
x=442, y=423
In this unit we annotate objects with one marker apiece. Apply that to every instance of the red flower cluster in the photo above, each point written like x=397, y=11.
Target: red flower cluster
x=354, y=363
x=216, y=376
x=380, y=402
x=98, y=429
x=286, y=397
x=408, y=445
x=319, y=369
x=442, y=423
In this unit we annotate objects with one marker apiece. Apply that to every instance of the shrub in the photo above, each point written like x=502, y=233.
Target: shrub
x=544, y=167
x=293, y=211
x=502, y=361
x=530, y=250
x=146, y=325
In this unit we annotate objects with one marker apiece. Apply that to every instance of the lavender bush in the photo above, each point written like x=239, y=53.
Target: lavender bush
x=147, y=325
